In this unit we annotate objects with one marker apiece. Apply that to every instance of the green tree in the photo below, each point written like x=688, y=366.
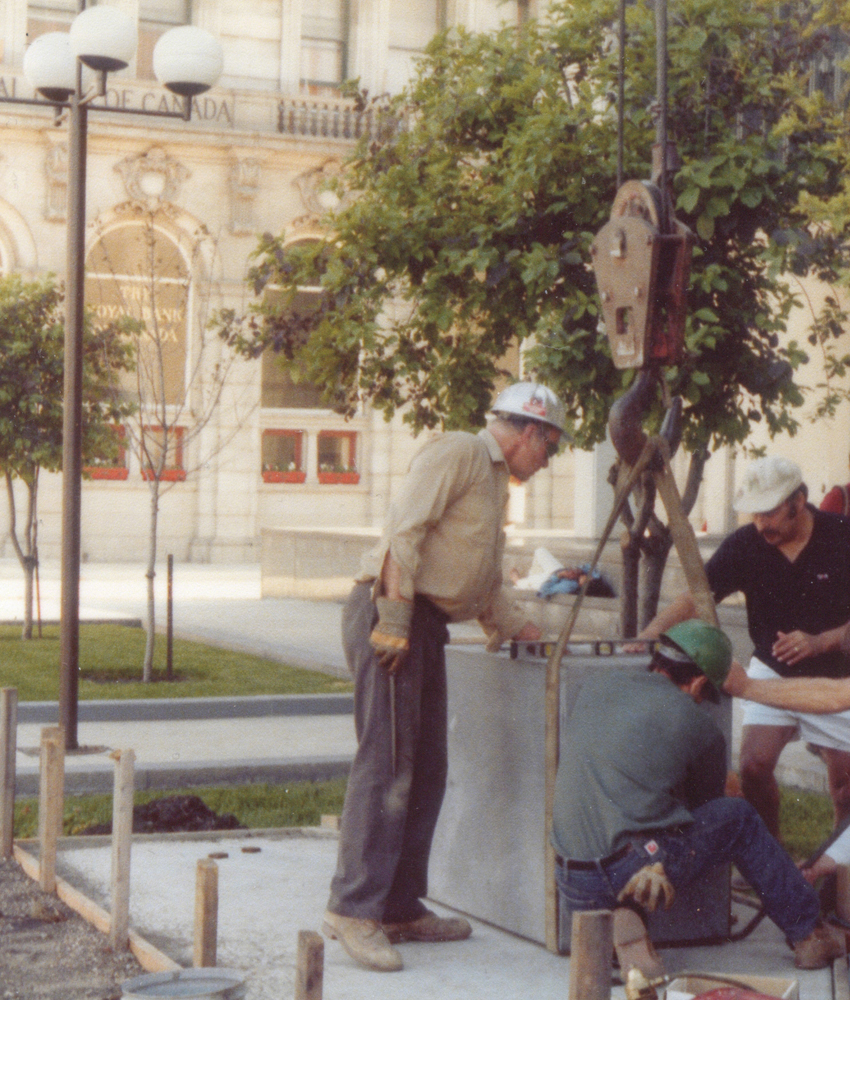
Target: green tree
x=31, y=398
x=466, y=224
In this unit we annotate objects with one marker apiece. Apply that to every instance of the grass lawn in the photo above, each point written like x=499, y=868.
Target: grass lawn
x=805, y=821
x=258, y=806
x=806, y=818
x=111, y=659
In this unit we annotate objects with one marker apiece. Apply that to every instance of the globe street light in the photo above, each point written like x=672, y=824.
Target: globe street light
x=189, y=62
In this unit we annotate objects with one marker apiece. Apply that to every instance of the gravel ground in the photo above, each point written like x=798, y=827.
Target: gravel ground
x=48, y=952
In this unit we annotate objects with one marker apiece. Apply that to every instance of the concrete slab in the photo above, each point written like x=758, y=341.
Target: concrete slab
x=266, y=897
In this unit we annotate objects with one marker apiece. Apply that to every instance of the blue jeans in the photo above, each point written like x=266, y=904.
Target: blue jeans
x=723, y=831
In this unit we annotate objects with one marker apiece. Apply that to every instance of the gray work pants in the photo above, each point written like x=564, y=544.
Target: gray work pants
x=388, y=819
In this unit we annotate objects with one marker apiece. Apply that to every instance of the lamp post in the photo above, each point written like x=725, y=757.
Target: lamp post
x=188, y=61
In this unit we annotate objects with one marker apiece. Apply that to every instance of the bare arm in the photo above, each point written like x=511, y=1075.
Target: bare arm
x=391, y=578
x=818, y=695
x=680, y=609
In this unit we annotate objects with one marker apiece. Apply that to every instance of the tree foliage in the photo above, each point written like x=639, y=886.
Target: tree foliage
x=32, y=345
x=467, y=226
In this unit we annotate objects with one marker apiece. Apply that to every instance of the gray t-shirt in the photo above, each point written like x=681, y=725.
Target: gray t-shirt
x=638, y=753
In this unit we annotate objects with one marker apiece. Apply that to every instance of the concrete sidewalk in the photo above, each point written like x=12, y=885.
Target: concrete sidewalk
x=266, y=897
x=181, y=743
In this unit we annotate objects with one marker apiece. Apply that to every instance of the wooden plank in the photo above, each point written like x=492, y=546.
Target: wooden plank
x=842, y=892
x=206, y=914
x=147, y=955
x=50, y=803
x=8, y=746
x=310, y=965
x=552, y=737
x=591, y=951
x=684, y=539
x=122, y=840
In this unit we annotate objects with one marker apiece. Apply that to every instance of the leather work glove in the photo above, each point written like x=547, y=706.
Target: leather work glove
x=648, y=886
x=390, y=636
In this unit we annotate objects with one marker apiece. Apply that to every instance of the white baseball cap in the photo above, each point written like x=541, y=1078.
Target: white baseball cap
x=766, y=483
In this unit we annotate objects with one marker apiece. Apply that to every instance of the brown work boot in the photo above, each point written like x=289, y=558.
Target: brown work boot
x=429, y=928
x=820, y=949
x=364, y=941
x=633, y=945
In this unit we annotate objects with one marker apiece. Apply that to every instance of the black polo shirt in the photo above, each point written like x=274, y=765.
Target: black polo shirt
x=811, y=594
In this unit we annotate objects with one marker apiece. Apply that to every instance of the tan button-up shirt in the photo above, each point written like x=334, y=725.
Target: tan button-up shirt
x=445, y=530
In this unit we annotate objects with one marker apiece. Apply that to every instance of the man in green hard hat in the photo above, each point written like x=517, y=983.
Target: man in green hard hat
x=640, y=810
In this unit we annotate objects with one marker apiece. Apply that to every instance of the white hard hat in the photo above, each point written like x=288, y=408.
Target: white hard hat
x=766, y=483
x=532, y=401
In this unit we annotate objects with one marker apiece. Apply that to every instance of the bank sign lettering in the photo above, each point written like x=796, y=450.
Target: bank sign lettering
x=216, y=109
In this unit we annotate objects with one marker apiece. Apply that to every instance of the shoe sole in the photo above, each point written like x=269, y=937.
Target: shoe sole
x=407, y=936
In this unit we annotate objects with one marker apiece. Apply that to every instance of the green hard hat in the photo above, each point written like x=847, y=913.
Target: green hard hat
x=705, y=645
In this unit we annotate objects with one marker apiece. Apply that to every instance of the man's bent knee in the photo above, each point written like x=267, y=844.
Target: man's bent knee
x=761, y=748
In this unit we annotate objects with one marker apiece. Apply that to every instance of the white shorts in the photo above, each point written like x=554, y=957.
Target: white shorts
x=831, y=731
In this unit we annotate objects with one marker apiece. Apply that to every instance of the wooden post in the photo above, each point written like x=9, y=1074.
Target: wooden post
x=591, y=951
x=8, y=745
x=206, y=914
x=50, y=803
x=842, y=892
x=122, y=838
x=169, y=622
x=310, y=966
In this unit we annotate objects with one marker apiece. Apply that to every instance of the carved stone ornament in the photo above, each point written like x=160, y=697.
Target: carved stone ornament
x=317, y=199
x=56, y=175
x=244, y=185
x=153, y=178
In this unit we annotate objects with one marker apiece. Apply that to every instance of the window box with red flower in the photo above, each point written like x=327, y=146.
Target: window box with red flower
x=282, y=456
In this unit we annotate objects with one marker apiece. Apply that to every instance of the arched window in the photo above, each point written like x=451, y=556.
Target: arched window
x=281, y=389
x=137, y=269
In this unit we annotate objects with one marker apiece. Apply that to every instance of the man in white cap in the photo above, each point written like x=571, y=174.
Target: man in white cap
x=439, y=560
x=792, y=564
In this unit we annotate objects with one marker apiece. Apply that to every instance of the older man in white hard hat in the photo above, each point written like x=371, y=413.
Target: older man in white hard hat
x=439, y=560
x=792, y=563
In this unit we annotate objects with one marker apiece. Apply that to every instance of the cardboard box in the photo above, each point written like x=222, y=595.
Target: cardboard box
x=778, y=987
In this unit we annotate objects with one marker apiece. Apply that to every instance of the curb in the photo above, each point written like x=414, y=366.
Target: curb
x=186, y=774
x=201, y=707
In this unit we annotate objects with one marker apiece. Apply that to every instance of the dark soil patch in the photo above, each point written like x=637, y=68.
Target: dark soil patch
x=173, y=814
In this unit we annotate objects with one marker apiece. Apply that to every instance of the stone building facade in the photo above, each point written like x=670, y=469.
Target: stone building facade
x=251, y=159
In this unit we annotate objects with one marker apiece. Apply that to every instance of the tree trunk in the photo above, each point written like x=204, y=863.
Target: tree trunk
x=646, y=546
x=656, y=549
x=150, y=575
x=629, y=596
x=631, y=546
x=27, y=552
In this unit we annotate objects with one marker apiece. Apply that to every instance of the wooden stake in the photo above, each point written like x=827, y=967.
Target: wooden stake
x=8, y=745
x=122, y=839
x=310, y=966
x=206, y=914
x=50, y=803
x=591, y=950
x=842, y=892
